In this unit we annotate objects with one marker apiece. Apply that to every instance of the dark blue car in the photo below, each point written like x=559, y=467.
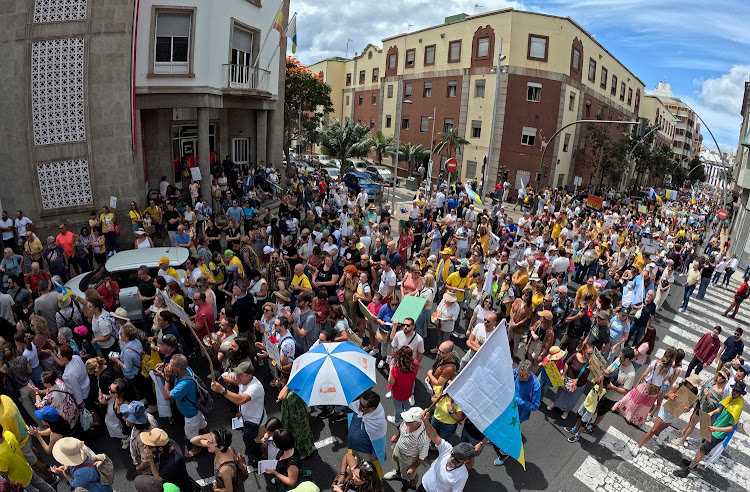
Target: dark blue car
x=357, y=181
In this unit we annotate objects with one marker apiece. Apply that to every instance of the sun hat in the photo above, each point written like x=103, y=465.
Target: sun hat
x=120, y=313
x=140, y=232
x=283, y=294
x=135, y=412
x=154, y=437
x=411, y=415
x=48, y=413
x=449, y=296
x=545, y=314
x=555, y=353
x=70, y=451
x=164, y=259
x=694, y=379
x=523, y=264
x=62, y=301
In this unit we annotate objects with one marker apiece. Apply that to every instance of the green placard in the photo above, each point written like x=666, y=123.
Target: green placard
x=410, y=307
x=366, y=312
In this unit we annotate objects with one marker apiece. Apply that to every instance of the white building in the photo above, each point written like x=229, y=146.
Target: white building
x=715, y=165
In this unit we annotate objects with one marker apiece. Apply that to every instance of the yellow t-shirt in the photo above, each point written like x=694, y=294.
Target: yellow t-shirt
x=441, y=408
x=536, y=300
x=523, y=279
x=301, y=281
x=12, y=461
x=443, y=269
x=639, y=262
x=455, y=280
x=11, y=420
x=135, y=216
x=556, y=230
x=581, y=292
x=206, y=272
x=236, y=261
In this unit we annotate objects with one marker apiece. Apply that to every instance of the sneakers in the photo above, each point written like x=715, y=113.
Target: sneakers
x=634, y=449
x=374, y=352
x=681, y=473
x=381, y=364
x=574, y=438
x=459, y=334
x=411, y=400
x=392, y=420
x=551, y=406
x=53, y=481
x=392, y=475
x=389, y=394
x=434, y=351
x=500, y=460
x=572, y=430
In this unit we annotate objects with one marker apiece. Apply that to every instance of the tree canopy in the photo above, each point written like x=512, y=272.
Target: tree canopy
x=342, y=141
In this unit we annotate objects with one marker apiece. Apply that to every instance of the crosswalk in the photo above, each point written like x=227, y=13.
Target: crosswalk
x=652, y=468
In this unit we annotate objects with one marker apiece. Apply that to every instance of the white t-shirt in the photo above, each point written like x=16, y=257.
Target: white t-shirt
x=438, y=478
x=7, y=235
x=480, y=333
x=253, y=411
x=481, y=313
x=101, y=326
x=414, y=341
x=21, y=225
x=163, y=187
x=387, y=280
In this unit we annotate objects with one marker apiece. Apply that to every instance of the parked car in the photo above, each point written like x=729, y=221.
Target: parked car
x=333, y=172
x=358, y=181
x=124, y=269
x=380, y=173
x=357, y=165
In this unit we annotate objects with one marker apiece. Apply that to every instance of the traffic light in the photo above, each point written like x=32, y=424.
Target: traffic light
x=538, y=176
x=502, y=173
x=639, y=130
x=544, y=168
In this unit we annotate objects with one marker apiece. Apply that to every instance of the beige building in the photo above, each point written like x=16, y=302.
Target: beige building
x=657, y=113
x=687, y=139
x=554, y=73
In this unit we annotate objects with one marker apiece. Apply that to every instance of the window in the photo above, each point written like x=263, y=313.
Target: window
x=427, y=92
x=240, y=74
x=348, y=79
x=172, y=42
x=483, y=48
x=638, y=98
x=241, y=150
x=572, y=101
x=566, y=143
x=375, y=74
x=424, y=124
x=476, y=128
x=614, y=85
x=372, y=123
x=537, y=47
x=479, y=88
x=454, y=51
x=528, y=136
x=588, y=108
x=374, y=99
x=471, y=169
x=387, y=121
x=576, y=60
x=410, y=58
x=361, y=76
x=599, y=111
x=390, y=91
x=603, y=82
x=448, y=125
x=429, y=55
x=560, y=178
x=533, y=92
x=592, y=69
x=630, y=96
x=361, y=99
x=347, y=100
x=452, y=86
x=405, y=124
x=407, y=90
x=392, y=61
x=622, y=91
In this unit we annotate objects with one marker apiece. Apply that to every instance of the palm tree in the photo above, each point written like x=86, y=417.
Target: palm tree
x=413, y=154
x=381, y=145
x=344, y=141
x=452, y=142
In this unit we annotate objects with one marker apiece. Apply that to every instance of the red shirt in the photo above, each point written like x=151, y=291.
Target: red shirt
x=203, y=328
x=109, y=296
x=402, y=390
x=66, y=241
x=32, y=279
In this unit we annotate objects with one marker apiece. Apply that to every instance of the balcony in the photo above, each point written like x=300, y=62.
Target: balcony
x=247, y=78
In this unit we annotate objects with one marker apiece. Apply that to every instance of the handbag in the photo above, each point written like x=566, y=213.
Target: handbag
x=86, y=419
x=570, y=383
x=117, y=230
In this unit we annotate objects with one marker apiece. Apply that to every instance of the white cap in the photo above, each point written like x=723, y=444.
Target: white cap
x=412, y=415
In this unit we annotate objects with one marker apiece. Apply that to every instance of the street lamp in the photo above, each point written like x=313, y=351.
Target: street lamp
x=630, y=152
x=395, y=157
x=432, y=148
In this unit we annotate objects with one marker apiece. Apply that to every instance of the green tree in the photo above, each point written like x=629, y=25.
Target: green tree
x=413, y=154
x=450, y=142
x=344, y=141
x=307, y=99
x=381, y=144
x=597, y=152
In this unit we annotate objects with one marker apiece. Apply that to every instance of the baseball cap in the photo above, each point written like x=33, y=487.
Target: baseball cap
x=228, y=253
x=745, y=368
x=601, y=314
x=47, y=413
x=739, y=388
x=164, y=259
x=411, y=415
x=463, y=451
x=244, y=368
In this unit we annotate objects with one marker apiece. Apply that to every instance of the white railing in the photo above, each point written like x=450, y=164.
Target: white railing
x=247, y=77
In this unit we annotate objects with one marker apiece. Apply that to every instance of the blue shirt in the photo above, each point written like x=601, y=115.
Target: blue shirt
x=131, y=361
x=88, y=478
x=617, y=330
x=528, y=396
x=235, y=213
x=386, y=313
x=452, y=204
x=185, y=394
x=359, y=440
x=248, y=211
x=182, y=238
x=733, y=349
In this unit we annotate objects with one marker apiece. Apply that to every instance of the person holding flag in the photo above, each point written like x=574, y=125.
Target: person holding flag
x=448, y=472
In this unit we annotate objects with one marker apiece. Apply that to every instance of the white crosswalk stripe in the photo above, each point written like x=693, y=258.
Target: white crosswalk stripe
x=598, y=477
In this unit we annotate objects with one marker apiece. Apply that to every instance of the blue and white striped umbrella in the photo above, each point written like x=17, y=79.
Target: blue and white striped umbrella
x=332, y=374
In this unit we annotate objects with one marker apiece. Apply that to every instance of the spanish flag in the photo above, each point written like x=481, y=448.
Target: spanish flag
x=278, y=24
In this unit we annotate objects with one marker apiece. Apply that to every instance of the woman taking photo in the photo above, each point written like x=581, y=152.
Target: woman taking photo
x=637, y=403
x=219, y=442
x=105, y=376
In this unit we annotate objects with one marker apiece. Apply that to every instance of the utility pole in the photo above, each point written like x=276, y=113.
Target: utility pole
x=500, y=58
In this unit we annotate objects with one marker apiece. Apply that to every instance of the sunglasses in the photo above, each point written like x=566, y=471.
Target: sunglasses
x=366, y=465
x=407, y=325
x=267, y=309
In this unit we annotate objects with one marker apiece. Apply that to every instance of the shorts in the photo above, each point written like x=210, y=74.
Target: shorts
x=586, y=416
x=605, y=406
x=666, y=417
x=404, y=463
x=193, y=425
x=707, y=447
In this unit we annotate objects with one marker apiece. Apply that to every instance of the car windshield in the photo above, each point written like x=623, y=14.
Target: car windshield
x=365, y=181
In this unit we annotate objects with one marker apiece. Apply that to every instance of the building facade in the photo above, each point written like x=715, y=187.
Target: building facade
x=740, y=186
x=687, y=139
x=715, y=166
x=101, y=97
x=654, y=110
x=554, y=73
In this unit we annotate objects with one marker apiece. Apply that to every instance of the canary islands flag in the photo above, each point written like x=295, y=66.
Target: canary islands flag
x=291, y=33
x=672, y=194
x=486, y=392
x=471, y=193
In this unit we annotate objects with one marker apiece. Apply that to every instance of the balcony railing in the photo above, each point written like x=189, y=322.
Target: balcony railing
x=247, y=77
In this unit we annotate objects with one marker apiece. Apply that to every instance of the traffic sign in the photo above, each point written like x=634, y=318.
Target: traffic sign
x=722, y=214
x=451, y=164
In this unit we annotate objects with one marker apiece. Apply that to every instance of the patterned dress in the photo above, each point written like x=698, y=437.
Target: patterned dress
x=295, y=417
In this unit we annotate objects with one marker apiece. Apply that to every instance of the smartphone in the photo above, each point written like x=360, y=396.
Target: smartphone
x=114, y=355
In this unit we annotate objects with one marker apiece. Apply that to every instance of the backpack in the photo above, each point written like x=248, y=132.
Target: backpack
x=241, y=472
x=104, y=466
x=298, y=351
x=204, y=401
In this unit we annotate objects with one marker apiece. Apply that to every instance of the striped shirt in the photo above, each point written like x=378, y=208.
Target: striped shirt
x=412, y=444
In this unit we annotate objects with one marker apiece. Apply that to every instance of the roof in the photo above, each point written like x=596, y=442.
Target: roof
x=359, y=174
x=133, y=258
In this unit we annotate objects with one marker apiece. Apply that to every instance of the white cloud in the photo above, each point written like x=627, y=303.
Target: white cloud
x=725, y=93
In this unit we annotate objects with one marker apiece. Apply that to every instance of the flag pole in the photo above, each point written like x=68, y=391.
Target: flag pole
x=265, y=39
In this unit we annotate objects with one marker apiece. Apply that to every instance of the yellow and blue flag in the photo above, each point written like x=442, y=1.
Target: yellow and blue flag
x=471, y=193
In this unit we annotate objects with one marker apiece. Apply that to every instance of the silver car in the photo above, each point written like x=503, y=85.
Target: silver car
x=124, y=269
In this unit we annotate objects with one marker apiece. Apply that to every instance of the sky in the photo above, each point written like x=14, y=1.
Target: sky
x=696, y=46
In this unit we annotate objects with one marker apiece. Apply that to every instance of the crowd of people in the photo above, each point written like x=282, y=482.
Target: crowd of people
x=331, y=265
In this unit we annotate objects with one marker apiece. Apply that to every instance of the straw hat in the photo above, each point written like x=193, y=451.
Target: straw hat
x=555, y=353
x=70, y=451
x=283, y=294
x=155, y=437
x=120, y=313
x=62, y=301
x=449, y=297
